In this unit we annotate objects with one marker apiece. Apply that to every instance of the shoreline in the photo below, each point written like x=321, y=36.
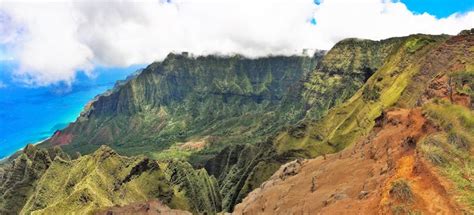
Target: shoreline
x=34, y=144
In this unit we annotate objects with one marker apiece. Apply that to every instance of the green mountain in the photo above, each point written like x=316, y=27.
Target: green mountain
x=200, y=104
x=105, y=179
x=200, y=133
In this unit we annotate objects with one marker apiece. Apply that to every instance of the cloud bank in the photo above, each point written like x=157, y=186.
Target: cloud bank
x=53, y=40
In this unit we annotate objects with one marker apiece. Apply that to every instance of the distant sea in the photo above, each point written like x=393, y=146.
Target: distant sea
x=31, y=114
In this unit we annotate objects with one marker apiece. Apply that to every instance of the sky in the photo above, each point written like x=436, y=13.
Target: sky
x=54, y=40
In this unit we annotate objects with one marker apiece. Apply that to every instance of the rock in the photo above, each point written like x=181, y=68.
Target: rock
x=363, y=194
x=290, y=169
x=334, y=197
x=313, y=184
x=384, y=169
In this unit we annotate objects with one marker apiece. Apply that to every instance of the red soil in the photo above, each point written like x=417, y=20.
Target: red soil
x=358, y=179
x=60, y=138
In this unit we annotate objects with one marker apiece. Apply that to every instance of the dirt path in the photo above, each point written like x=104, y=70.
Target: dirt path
x=358, y=179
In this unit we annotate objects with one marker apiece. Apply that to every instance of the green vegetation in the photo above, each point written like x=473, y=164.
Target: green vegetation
x=463, y=83
x=403, y=209
x=235, y=99
x=18, y=178
x=452, y=148
x=418, y=43
x=102, y=179
x=354, y=118
x=401, y=191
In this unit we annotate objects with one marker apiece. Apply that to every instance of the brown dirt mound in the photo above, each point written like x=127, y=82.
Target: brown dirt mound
x=358, y=180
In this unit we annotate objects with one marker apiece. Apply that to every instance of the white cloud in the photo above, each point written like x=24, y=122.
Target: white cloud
x=2, y=85
x=54, y=39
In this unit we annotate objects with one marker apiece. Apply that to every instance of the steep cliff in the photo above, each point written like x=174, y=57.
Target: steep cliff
x=216, y=100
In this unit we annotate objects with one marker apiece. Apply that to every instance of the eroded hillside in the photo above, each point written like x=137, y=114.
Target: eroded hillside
x=415, y=157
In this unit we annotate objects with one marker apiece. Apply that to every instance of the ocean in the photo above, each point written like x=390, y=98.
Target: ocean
x=31, y=114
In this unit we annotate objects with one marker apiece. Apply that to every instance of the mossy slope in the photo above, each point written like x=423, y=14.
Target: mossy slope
x=105, y=179
x=232, y=99
x=18, y=178
x=356, y=117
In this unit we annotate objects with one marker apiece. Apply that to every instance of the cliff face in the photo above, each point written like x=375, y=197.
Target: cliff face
x=221, y=101
x=224, y=100
x=343, y=70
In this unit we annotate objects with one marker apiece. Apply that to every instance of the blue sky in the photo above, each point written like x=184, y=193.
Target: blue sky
x=439, y=8
x=50, y=44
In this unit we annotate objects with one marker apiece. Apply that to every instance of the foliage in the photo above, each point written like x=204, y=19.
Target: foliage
x=452, y=148
x=464, y=82
x=106, y=179
x=401, y=191
x=354, y=118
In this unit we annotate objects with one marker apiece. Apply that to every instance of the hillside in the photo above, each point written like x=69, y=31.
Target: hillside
x=370, y=126
x=38, y=182
x=410, y=142
x=186, y=104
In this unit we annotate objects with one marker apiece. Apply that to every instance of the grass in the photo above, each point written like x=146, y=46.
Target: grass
x=401, y=191
x=417, y=43
x=451, y=150
x=354, y=118
x=464, y=82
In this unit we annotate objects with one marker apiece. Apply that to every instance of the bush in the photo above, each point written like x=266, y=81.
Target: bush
x=458, y=140
x=434, y=154
x=401, y=190
x=371, y=93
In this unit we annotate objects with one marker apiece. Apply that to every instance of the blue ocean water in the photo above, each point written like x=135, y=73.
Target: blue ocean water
x=28, y=115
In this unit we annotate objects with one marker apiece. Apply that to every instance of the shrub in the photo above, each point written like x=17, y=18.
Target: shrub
x=458, y=140
x=401, y=190
x=434, y=154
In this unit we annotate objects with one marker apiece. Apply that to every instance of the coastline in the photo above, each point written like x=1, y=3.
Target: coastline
x=34, y=144
x=24, y=123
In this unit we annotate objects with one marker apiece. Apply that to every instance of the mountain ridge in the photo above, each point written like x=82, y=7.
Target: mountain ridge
x=327, y=112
